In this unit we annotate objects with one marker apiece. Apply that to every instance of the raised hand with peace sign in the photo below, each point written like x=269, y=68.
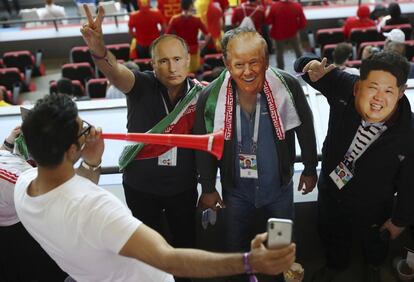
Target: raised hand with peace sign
x=121, y=77
x=316, y=70
x=92, y=31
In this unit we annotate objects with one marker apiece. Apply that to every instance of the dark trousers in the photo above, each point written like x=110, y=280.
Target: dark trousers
x=7, y=6
x=179, y=211
x=143, y=52
x=340, y=230
x=23, y=260
x=129, y=3
x=294, y=42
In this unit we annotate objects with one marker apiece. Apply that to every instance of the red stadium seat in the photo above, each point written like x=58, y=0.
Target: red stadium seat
x=12, y=78
x=78, y=89
x=379, y=44
x=120, y=51
x=24, y=60
x=327, y=51
x=78, y=71
x=80, y=54
x=205, y=76
x=96, y=87
x=19, y=59
x=329, y=36
x=213, y=60
x=364, y=34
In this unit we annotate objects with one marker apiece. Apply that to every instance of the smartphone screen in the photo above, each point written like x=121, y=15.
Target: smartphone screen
x=279, y=232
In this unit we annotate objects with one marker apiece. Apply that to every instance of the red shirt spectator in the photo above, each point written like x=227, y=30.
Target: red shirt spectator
x=224, y=4
x=252, y=9
x=143, y=25
x=362, y=20
x=286, y=18
x=187, y=27
x=169, y=8
x=264, y=3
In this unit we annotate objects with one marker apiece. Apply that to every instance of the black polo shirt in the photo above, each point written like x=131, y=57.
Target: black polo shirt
x=145, y=109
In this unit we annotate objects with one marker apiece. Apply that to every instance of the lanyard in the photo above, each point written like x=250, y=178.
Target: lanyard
x=350, y=160
x=256, y=123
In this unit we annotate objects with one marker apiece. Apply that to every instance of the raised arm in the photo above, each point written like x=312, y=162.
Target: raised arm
x=120, y=76
x=317, y=69
x=92, y=156
x=327, y=79
x=150, y=247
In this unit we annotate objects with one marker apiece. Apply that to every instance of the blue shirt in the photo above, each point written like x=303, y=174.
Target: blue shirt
x=265, y=189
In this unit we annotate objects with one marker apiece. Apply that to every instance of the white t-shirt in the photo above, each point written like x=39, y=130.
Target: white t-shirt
x=83, y=228
x=11, y=166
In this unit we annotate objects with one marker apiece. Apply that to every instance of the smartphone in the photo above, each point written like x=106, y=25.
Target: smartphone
x=279, y=232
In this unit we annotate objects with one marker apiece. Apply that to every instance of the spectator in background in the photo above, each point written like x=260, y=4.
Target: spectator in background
x=252, y=9
x=224, y=4
x=80, y=2
x=394, y=11
x=64, y=86
x=287, y=19
x=169, y=8
x=378, y=13
x=70, y=88
x=396, y=36
x=395, y=42
x=114, y=93
x=145, y=26
x=368, y=51
x=3, y=97
x=187, y=26
x=21, y=257
x=51, y=11
x=7, y=6
x=361, y=20
x=212, y=16
x=341, y=54
x=129, y=3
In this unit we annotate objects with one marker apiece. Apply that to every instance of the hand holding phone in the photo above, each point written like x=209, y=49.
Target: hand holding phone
x=279, y=232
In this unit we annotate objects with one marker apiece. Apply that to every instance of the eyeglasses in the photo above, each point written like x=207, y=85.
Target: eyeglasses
x=86, y=128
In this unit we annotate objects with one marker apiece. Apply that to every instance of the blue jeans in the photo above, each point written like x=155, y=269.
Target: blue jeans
x=239, y=216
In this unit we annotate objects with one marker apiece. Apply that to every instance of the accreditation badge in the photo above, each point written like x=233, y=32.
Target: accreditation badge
x=169, y=158
x=341, y=175
x=248, y=166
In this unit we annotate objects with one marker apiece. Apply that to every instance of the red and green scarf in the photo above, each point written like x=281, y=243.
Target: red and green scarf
x=220, y=105
x=179, y=121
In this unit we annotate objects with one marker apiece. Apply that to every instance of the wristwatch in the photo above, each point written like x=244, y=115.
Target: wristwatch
x=90, y=167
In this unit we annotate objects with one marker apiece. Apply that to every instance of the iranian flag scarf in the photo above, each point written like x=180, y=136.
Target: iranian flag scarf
x=220, y=104
x=179, y=121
